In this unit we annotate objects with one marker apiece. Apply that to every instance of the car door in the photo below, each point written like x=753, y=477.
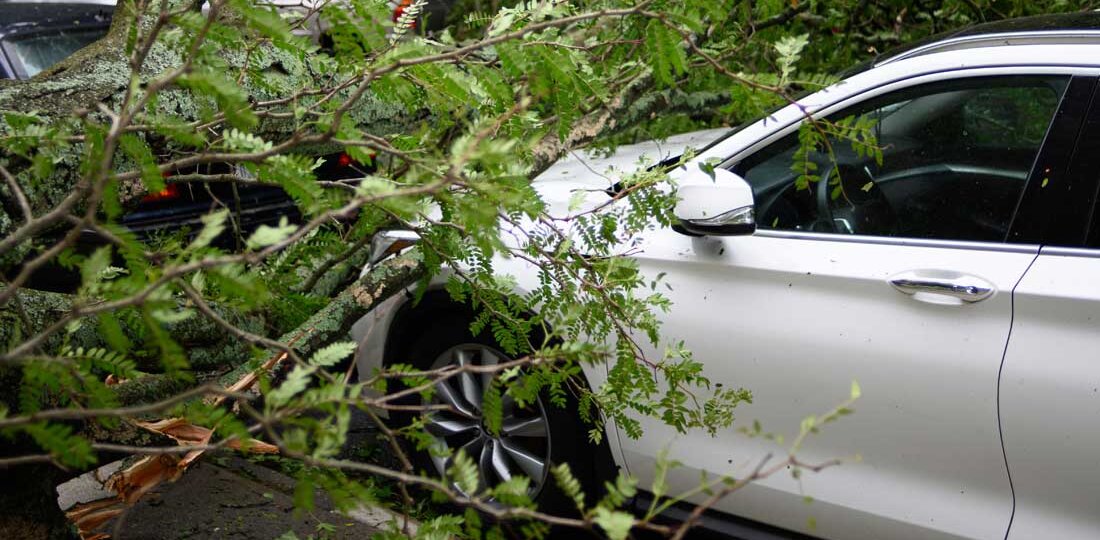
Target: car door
x=1050, y=382
x=897, y=290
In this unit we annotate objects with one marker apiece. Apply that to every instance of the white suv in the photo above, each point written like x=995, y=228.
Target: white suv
x=952, y=281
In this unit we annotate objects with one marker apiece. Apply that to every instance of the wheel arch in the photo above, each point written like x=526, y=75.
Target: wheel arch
x=408, y=319
x=411, y=318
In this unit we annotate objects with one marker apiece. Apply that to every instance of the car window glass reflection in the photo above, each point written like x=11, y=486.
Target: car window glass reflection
x=955, y=157
x=38, y=52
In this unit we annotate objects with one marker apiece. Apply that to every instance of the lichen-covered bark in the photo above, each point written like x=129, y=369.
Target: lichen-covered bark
x=213, y=352
x=207, y=345
x=334, y=321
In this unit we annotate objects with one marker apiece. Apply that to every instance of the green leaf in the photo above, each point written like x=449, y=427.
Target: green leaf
x=172, y=316
x=577, y=199
x=615, y=523
x=94, y=267
x=267, y=20
x=569, y=484
x=666, y=57
x=267, y=235
x=303, y=492
x=295, y=382
x=172, y=356
x=295, y=175
x=231, y=99
x=492, y=408
x=213, y=224
x=464, y=473
x=856, y=392
x=514, y=491
x=137, y=150
x=789, y=49
x=331, y=354
x=240, y=141
x=59, y=441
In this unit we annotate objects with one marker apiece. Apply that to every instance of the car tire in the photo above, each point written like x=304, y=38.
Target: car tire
x=445, y=340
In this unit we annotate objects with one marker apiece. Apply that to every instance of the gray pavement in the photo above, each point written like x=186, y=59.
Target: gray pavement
x=228, y=496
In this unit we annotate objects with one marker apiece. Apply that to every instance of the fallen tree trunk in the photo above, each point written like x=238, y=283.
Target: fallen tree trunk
x=327, y=325
x=216, y=345
x=28, y=497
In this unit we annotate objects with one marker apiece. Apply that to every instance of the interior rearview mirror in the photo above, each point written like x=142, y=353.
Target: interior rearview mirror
x=723, y=207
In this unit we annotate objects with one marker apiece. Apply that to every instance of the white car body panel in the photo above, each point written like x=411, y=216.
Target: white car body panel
x=556, y=185
x=1050, y=398
x=799, y=320
x=795, y=317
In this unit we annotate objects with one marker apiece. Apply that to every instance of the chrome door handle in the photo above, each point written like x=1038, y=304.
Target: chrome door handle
x=963, y=287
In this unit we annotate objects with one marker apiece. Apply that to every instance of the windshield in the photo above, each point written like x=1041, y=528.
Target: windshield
x=37, y=52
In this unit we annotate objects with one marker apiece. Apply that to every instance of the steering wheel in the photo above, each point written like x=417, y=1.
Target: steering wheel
x=861, y=208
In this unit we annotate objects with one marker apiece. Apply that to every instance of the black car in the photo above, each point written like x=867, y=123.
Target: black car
x=35, y=35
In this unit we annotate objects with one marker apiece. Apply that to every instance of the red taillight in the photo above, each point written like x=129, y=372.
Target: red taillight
x=171, y=191
x=400, y=10
x=344, y=160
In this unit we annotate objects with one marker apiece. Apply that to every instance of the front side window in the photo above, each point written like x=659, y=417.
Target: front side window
x=949, y=161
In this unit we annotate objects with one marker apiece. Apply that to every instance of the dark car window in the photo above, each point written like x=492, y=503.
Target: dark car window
x=37, y=52
x=956, y=157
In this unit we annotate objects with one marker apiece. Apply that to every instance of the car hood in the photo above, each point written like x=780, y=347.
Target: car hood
x=595, y=172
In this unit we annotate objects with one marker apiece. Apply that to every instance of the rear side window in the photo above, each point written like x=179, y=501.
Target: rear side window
x=35, y=53
x=956, y=156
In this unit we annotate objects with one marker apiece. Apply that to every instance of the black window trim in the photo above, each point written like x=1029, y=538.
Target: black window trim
x=1040, y=215
x=1073, y=225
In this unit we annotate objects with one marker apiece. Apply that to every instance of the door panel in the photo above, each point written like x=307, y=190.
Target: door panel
x=1050, y=398
x=795, y=317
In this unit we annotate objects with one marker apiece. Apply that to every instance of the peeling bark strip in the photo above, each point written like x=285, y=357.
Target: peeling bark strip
x=329, y=324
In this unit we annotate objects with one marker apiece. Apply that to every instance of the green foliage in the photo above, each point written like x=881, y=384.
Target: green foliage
x=213, y=224
x=447, y=130
x=229, y=97
x=140, y=152
x=620, y=492
x=58, y=440
x=569, y=485
x=266, y=235
x=789, y=49
x=491, y=405
x=331, y=354
x=616, y=524
x=464, y=473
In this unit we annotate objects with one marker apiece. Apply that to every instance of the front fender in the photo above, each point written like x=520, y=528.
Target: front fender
x=373, y=331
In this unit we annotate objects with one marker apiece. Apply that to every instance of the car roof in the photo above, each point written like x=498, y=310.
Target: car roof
x=18, y=16
x=1056, y=29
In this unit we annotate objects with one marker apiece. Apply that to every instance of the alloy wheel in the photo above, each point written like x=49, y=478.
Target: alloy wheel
x=522, y=447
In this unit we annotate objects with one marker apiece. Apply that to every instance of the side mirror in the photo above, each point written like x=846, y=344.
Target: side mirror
x=721, y=208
